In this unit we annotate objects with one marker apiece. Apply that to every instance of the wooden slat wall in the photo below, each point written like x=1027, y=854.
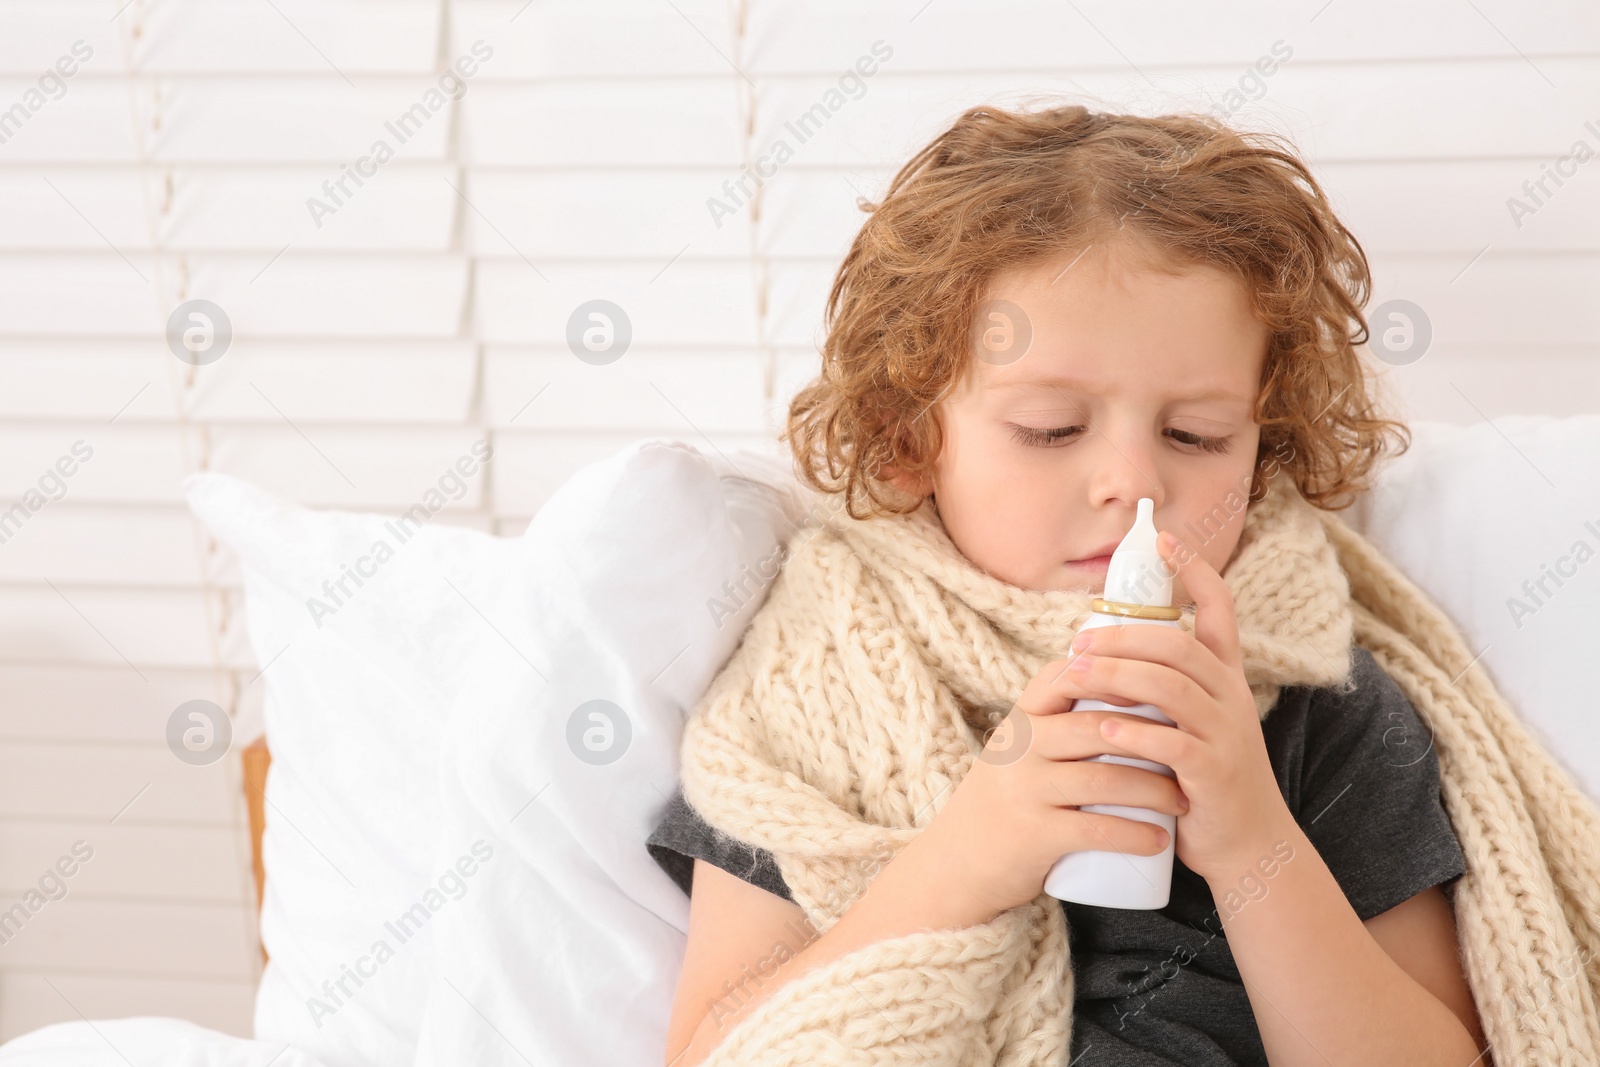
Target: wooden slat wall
x=430, y=310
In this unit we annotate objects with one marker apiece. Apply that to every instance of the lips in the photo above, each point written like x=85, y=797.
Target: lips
x=1103, y=552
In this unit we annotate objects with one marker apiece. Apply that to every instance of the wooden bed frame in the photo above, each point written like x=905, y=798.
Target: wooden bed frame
x=256, y=760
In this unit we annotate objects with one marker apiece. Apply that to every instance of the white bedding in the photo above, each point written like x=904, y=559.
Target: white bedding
x=568, y=947
x=563, y=944
x=356, y=702
x=557, y=923
x=145, y=1042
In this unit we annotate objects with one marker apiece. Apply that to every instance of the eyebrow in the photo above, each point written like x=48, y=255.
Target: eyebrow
x=1075, y=384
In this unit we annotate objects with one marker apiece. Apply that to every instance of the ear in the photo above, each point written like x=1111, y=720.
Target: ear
x=917, y=486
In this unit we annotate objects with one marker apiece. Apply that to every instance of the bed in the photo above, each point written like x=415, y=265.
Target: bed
x=424, y=792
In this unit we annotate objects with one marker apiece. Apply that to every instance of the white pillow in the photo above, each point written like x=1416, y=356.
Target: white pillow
x=144, y=1040
x=1471, y=513
x=355, y=704
x=642, y=573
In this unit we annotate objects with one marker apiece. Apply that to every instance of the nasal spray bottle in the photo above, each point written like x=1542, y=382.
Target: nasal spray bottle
x=1138, y=592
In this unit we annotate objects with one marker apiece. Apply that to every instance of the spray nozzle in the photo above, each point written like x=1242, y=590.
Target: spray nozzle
x=1138, y=574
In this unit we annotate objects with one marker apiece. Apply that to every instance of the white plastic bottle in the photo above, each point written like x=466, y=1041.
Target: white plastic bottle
x=1138, y=591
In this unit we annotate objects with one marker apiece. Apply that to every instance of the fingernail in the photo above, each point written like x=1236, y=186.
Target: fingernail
x=1083, y=641
x=1109, y=728
x=1081, y=663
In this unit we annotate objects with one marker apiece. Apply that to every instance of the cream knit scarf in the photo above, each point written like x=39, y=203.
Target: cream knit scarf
x=840, y=725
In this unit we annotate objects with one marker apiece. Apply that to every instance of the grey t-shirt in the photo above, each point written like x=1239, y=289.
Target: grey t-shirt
x=1359, y=773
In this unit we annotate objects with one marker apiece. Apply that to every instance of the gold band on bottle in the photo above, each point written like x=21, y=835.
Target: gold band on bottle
x=1137, y=611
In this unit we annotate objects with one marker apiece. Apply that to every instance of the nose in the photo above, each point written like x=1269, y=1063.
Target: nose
x=1125, y=469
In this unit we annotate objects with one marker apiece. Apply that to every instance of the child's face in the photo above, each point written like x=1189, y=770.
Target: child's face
x=1139, y=352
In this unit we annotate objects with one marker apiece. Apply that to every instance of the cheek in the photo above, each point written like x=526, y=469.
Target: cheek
x=974, y=462
x=1218, y=550
x=1221, y=553
x=1215, y=513
x=1004, y=515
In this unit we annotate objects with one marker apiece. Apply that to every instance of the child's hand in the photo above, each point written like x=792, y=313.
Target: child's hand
x=1236, y=810
x=1015, y=813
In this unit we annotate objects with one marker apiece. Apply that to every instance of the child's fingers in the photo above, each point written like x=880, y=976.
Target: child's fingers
x=1153, y=741
x=1215, y=623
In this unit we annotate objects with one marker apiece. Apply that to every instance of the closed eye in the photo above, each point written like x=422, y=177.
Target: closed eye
x=1047, y=438
x=1219, y=445
x=1029, y=436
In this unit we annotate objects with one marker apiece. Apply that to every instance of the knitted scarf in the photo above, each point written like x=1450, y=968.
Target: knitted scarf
x=846, y=717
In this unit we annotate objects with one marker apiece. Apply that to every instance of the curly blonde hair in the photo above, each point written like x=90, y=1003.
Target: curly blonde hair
x=1000, y=190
